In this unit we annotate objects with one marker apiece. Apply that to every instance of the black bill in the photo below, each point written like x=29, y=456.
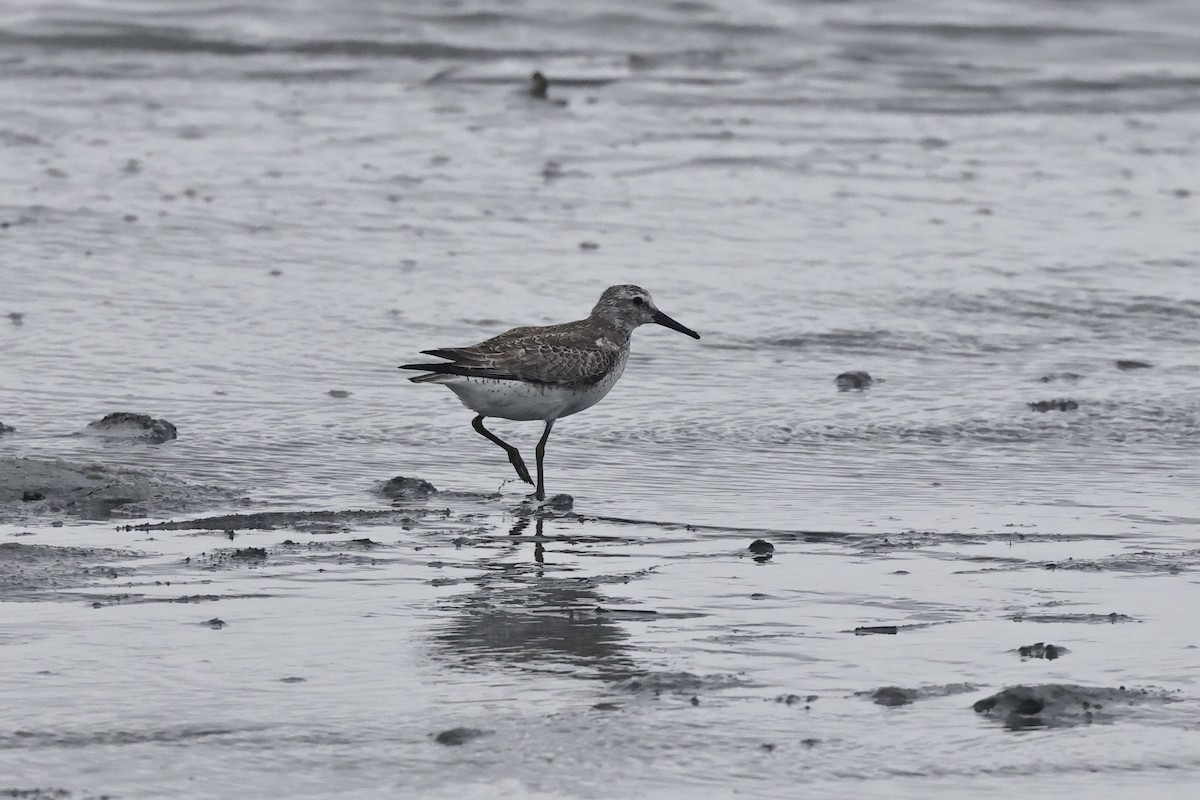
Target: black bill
x=667, y=322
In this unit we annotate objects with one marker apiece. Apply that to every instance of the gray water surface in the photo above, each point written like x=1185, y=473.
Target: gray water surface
x=218, y=215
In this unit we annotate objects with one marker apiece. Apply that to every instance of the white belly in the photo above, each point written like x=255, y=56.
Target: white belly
x=527, y=401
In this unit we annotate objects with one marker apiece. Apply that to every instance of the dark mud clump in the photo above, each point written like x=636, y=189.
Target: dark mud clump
x=269, y=520
x=33, y=571
x=1042, y=650
x=849, y=381
x=893, y=696
x=560, y=502
x=676, y=683
x=1060, y=376
x=1055, y=705
x=403, y=488
x=1053, y=405
x=6, y=429
x=458, y=736
x=1144, y=561
x=1126, y=364
x=898, y=696
x=35, y=486
x=1092, y=619
x=127, y=425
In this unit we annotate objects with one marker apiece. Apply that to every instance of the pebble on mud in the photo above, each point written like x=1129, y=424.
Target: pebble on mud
x=339, y=393
x=216, y=623
x=858, y=379
x=457, y=736
x=1128, y=364
x=134, y=426
x=867, y=630
x=1053, y=405
x=1041, y=650
x=404, y=488
x=761, y=547
x=589, y=245
x=1059, y=376
x=6, y=429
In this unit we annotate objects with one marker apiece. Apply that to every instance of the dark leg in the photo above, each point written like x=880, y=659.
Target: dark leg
x=513, y=456
x=541, y=455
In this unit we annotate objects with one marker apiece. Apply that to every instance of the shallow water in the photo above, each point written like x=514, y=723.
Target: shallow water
x=961, y=199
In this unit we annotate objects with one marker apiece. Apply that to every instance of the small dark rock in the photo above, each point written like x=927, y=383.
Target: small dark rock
x=30, y=496
x=893, y=696
x=134, y=426
x=457, y=736
x=339, y=393
x=761, y=547
x=402, y=488
x=1059, y=376
x=539, y=85
x=1042, y=650
x=695, y=700
x=275, y=273
x=292, y=679
x=16, y=317
x=7, y=428
x=853, y=380
x=589, y=245
x=215, y=623
x=1054, y=405
x=1128, y=364
x=867, y=630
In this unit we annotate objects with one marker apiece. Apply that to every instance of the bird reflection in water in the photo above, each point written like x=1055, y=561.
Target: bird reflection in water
x=520, y=526
x=523, y=614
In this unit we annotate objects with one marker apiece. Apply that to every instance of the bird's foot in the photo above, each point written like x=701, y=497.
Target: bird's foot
x=522, y=471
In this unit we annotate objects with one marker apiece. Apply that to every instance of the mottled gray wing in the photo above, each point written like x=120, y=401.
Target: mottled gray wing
x=561, y=354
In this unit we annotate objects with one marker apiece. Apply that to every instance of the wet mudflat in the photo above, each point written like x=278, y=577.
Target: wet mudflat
x=917, y=515
x=465, y=646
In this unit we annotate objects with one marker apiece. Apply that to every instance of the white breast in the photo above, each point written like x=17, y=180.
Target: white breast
x=518, y=400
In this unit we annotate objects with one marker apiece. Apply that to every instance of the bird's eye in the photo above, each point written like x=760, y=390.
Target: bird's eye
x=637, y=301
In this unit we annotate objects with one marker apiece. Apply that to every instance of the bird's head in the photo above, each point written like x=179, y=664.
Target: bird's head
x=627, y=306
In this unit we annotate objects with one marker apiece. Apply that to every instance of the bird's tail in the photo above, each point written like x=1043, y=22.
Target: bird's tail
x=433, y=372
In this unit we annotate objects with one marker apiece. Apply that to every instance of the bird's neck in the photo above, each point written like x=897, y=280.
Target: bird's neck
x=616, y=328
